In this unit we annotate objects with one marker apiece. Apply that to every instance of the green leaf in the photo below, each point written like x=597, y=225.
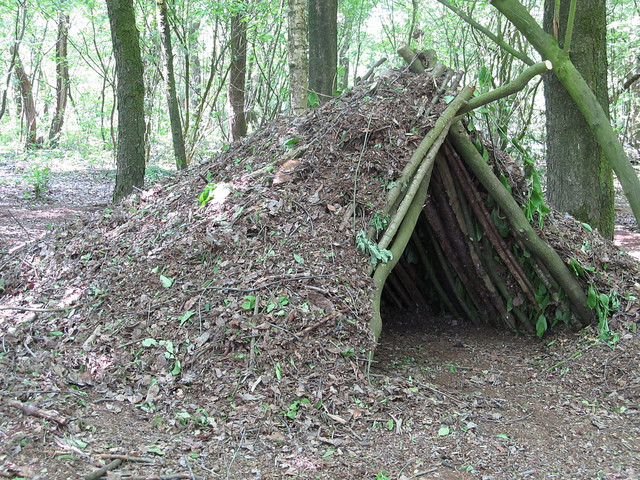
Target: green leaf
x=444, y=431
x=166, y=281
x=176, y=368
x=292, y=142
x=187, y=315
x=156, y=450
x=313, y=99
x=149, y=342
x=592, y=297
x=249, y=302
x=541, y=326
x=390, y=424
x=56, y=334
x=278, y=371
x=502, y=435
x=298, y=258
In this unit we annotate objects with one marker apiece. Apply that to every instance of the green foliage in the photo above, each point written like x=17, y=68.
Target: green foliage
x=379, y=222
x=371, y=248
x=604, y=305
x=38, y=178
x=535, y=206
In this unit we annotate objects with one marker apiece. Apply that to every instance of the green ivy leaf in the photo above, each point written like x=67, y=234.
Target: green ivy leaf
x=541, y=326
x=166, y=281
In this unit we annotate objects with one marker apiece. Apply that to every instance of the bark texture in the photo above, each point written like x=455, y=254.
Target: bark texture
x=580, y=179
x=298, y=61
x=323, y=47
x=177, y=136
x=130, y=96
x=237, y=76
x=62, y=79
x=28, y=105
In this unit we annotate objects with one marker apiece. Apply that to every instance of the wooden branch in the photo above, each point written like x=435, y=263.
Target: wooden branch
x=521, y=227
x=28, y=409
x=416, y=163
x=412, y=59
x=101, y=471
x=509, y=89
x=366, y=76
x=402, y=239
x=40, y=310
x=489, y=228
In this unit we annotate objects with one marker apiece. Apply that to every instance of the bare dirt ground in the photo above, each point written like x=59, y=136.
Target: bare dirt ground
x=174, y=382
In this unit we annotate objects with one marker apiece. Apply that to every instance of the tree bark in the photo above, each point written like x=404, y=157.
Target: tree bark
x=579, y=89
x=177, y=136
x=323, y=47
x=237, y=76
x=28, y=104
x=298, y=61
x=62, y=79
x=575, y=162
x=130, y=97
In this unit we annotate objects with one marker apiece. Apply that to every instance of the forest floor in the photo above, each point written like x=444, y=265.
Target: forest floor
x=441, y=399
x=458, y=402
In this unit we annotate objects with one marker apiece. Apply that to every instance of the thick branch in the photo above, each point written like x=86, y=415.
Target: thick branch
x=509, y=89
x=521, y=227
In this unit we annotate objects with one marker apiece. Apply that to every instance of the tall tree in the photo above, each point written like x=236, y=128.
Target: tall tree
x=237, y=74
x=130, y=96
x=298, y=62
x=323, y=47
x=62, y=78
x=579, y=177
x=28, y=104
x=177, y=135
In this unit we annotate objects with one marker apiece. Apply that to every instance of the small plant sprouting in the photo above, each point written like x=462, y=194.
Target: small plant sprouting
x=38, y=177
x=604, y=305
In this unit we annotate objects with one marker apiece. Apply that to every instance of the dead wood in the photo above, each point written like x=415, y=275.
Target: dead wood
x=49, y=415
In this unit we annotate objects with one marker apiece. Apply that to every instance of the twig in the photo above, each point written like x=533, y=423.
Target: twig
x=266, y=285
x=128, y=458
x=101, y=471
x=40, y=310
x=36, y=412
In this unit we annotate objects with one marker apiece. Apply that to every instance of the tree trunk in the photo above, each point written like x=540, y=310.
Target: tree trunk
x=28, y=105
x=62, y=79
x=170, y=80
x=576, y=164
x=298, y=61
x=130, y=97
x=579, y=89
x=323, y=47
x=237, y=76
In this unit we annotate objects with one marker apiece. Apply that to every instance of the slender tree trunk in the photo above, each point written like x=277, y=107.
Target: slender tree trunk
x=28, y=104
x=177, y=135
x=298, y=62
x=237, y=76
x=130, y=96
x=62, y=79
x=579, y=177
x=194, y=64
x=323, y=47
